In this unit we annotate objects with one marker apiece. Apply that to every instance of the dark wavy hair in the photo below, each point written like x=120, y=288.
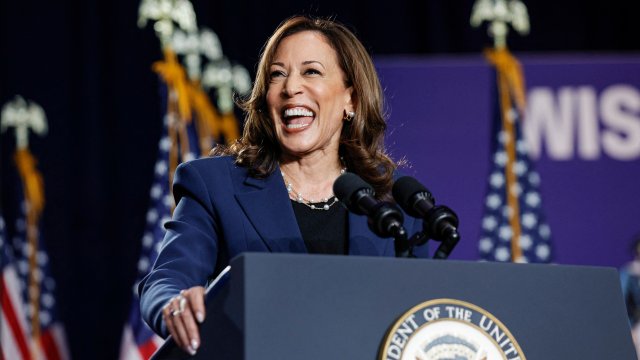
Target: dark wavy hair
x=361, y=140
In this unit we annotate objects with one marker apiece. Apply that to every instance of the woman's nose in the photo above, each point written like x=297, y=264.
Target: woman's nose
x=292, y=86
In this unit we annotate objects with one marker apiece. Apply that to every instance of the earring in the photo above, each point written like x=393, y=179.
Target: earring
x=349, y=115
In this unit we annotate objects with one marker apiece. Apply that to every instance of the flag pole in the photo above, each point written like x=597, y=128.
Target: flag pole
x=24, y=117
x=500, y=14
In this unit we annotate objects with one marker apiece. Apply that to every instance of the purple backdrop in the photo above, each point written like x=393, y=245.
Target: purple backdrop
x=582, y=124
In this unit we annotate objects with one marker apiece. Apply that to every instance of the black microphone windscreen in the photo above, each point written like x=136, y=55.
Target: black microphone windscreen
x=403, y=191
x=348, y=184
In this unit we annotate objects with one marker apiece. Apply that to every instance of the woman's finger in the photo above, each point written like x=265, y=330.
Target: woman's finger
x=182, y=315
x=181, y=334
x=167, y=314
x=196, y=300
x=191, y=328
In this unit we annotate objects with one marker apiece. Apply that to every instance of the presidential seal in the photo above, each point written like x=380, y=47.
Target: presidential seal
x=449, y=329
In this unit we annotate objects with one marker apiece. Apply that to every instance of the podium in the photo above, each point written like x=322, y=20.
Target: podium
x=285, y=306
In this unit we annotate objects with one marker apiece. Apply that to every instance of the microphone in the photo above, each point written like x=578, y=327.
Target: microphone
x=439, y=222
x=385, y=219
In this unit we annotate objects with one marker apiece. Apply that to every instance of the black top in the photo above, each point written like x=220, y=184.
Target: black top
x=323, y=231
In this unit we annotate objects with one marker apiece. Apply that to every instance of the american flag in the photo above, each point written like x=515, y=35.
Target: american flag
x=14, y=337
x=138, y=340
x=513, y=226
x=19, y=338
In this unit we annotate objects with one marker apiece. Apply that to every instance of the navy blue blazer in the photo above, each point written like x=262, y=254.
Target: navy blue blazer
x=222, y=212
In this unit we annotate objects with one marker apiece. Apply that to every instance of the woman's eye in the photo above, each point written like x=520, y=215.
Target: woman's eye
x=276, y=73
x=312, y=72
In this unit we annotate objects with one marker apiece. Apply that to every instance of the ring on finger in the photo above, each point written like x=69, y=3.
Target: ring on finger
x=173, y=312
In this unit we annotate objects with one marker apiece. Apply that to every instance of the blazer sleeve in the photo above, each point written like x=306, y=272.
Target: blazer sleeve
x=188, y=253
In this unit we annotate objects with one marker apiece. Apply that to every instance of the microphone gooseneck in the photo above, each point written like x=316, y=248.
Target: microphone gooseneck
x=384, y=218
x=439, y=222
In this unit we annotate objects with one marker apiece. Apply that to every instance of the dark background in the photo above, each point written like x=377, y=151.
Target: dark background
x=88, y=65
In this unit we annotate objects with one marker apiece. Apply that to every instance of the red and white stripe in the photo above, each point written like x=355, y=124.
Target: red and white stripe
x=129, y=350
x=52, y=343
x=15, y=342
x=14, y=338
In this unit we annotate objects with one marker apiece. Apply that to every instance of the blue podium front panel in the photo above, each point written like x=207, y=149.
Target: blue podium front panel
x=282, y=306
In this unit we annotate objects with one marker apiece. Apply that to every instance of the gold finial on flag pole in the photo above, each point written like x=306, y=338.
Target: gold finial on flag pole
x=500, y=14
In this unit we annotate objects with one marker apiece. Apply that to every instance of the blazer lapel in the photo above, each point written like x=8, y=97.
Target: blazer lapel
x=267, y=205
x=362, y=241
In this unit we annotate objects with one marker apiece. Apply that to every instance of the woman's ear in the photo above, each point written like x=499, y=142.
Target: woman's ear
x=349, y=112
x=349, y=105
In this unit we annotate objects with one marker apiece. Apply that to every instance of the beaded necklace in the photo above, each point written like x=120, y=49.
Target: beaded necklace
x=311, y=203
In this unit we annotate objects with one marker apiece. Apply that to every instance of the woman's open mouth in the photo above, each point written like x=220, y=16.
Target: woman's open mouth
x=297, y=118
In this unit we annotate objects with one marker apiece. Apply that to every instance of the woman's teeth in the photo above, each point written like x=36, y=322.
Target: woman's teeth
x=296, y=126
x=297, y=112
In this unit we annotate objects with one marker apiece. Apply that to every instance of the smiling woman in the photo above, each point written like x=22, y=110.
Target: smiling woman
x=307, y=98
x=315, y=111
x=343, y=57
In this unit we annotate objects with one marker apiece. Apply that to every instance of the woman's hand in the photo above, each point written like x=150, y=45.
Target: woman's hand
x=182, y=314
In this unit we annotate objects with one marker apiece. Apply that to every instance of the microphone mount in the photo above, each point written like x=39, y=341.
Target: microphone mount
x=384, y=218
x=439, y=222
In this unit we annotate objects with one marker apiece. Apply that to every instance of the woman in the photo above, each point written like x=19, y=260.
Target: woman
x=315, y=111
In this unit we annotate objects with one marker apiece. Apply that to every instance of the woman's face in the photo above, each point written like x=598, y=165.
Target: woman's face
x=307, y=96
